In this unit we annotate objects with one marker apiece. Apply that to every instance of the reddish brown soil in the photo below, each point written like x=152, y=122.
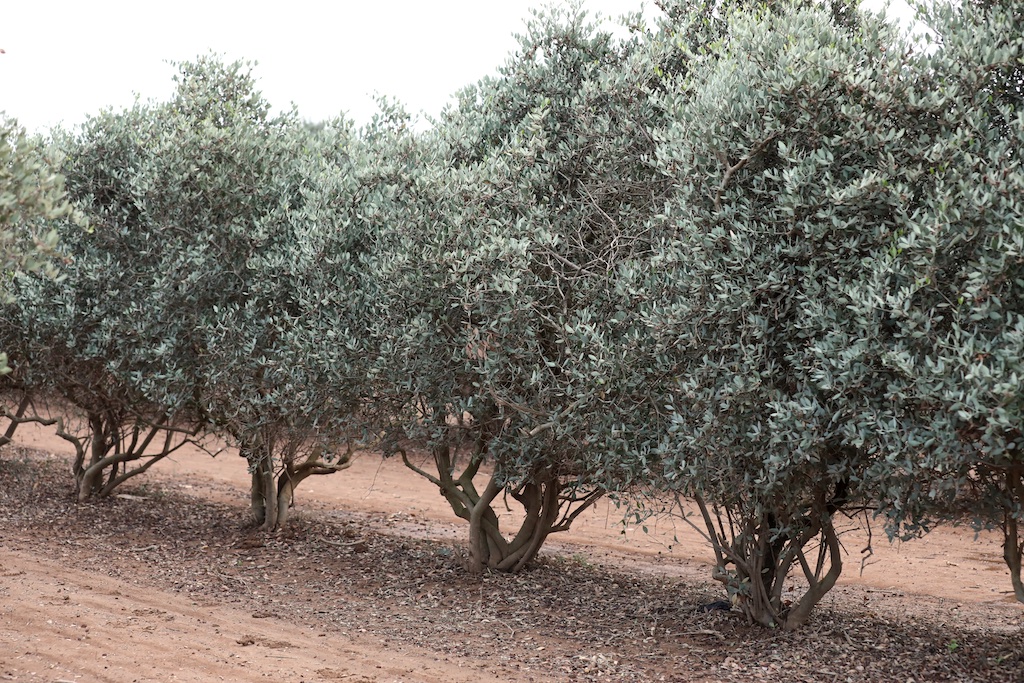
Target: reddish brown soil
x=168, y=582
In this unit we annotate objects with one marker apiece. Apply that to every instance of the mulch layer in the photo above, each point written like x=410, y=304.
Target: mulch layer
x=565, y=619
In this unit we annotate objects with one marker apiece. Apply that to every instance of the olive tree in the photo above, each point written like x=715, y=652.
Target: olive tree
x=31, y=199
x=72, y=339
x=54, y=330
x=948, y=287
x=221, y=242
x=31, y=195
x=255, y=213
x=500, y=326
x=786, y=145
x=295, y=408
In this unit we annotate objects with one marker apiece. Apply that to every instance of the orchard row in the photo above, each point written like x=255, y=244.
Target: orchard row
x=769, y=259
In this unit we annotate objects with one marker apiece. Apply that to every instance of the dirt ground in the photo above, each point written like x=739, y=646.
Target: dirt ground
x=168, y=582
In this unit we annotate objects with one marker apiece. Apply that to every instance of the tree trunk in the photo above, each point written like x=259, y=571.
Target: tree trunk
x=1013, y=549
x=16, y=420
x=549, y=504
x=543, y=505
x=257, y=498
x=819, y=585
x=263, y=493
x=272, y=495
x=89, y=477
x=484, y=548
x=285, y=498
x=1012, y=553
x=755, y=563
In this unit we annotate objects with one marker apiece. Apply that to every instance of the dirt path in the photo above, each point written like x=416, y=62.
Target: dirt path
x=145, y=588
x=61, y=624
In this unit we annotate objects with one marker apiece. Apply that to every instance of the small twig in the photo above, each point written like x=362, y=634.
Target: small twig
x=540, y=428
x=239, y=579
x=869, y=550
x=703, y=632
x=344, y=545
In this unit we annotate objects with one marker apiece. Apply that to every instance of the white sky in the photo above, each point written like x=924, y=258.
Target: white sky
x=66, y=59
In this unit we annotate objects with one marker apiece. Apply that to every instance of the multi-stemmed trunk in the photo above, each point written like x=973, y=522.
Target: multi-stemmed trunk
x=117, y=451
x=755, y=554
x=550, y=504
x=272, y=491
x=111, y=450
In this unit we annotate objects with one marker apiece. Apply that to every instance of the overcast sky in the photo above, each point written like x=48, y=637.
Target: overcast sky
x=64, y=60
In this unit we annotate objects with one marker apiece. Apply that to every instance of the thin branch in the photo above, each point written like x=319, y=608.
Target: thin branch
x=569, y=517
x=730, y=170
x=128, y=474
x=432, y=479
x=869, y=549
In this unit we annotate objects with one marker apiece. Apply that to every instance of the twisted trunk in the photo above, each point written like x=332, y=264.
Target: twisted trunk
x=263, y=494
x=755, y=555
x=549, y=505
x=272, y=492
